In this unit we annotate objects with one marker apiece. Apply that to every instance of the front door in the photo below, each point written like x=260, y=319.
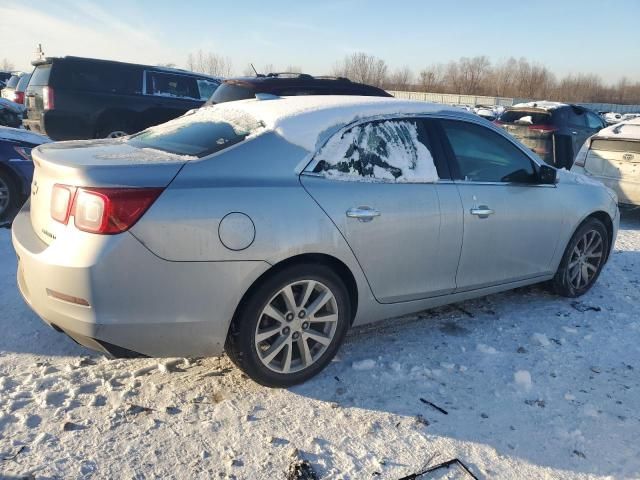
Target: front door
x=510, y=221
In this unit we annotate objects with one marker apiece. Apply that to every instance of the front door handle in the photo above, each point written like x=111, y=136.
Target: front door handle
x=482, y=211
x=364, y=214
x=574, y=133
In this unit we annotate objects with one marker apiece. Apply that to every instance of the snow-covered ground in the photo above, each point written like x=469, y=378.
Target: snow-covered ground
x=534, y=386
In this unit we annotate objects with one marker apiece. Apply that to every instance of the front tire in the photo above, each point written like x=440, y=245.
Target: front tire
x=291, y=326
x=583, y=260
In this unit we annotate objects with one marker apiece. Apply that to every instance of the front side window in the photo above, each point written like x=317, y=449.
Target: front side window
x=199, y=133
x=485, y=156
x=593, y=121
x=386, y=150
x=163, y=84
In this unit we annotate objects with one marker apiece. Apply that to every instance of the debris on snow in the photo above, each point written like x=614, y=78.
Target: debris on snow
x=583, y=307
x=433, y=405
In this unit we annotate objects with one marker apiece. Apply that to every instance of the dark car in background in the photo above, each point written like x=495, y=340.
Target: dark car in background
x=16, y=169
x=555, y=131
x=15, y=87
x=81, y=98
x=290, y=84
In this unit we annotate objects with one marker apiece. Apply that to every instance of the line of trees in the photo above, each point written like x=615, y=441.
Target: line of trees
x=513, y=77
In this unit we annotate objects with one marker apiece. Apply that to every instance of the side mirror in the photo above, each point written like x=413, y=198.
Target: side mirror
x=547, y=175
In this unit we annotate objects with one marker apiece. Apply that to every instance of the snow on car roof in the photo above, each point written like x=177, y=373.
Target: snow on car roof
x=306, y=120
x=19, y=134
x=543, y=104
x=628, y=130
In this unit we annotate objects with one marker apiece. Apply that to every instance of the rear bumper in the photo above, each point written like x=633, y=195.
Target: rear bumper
x=137, y=302
x=61, y=125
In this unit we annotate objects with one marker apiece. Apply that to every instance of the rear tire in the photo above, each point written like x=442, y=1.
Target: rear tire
x=9, y=198
x=290, y=326
x=583, y=260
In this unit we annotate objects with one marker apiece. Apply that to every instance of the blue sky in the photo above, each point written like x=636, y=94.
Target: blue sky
x=566, y=35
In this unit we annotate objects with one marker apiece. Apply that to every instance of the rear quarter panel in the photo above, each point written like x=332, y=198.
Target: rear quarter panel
x=257, y=178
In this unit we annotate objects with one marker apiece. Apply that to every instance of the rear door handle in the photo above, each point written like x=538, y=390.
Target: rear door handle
x=574, y=133
x=482, y=211
x=364, y=214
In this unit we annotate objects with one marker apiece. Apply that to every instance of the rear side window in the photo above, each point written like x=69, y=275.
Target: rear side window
x=163, y=84
x=13, y=81
x=199, y=133
x=524, y=117
x=98, y=77
x=387, y=150
x=485, y=156
x=40, y=76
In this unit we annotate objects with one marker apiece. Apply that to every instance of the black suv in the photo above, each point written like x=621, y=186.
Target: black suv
x=79, y=98
x=290, y=84
x=555, y=131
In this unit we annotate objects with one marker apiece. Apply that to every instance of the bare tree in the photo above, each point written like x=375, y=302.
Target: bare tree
x=6, y=65
x=431, y=78
x=363, y=68
x=210, y=63
x=400, y=79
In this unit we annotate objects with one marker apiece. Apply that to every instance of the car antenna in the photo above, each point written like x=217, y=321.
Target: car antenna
x=254, y=69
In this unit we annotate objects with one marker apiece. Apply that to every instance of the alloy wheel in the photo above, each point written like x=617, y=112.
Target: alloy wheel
x=117, y=134
x=585, y=260
x=296, y=326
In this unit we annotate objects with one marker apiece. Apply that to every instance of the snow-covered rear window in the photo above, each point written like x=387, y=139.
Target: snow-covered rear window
x=388, y=150
x=199, y=132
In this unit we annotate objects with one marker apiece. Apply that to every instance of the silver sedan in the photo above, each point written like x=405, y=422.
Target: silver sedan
x=266, y=228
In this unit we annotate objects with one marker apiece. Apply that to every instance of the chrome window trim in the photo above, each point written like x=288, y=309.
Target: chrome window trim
x=503, y=184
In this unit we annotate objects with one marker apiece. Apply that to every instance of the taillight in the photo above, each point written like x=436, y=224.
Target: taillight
x=48, y=98
x=105, y=210
x=61, y=202
x=18, y=97
x=543, y=128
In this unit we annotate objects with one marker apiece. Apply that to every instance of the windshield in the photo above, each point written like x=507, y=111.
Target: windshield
x=525, y=117
x=199, y=132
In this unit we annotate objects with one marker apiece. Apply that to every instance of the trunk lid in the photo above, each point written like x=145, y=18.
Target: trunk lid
x=93, y=163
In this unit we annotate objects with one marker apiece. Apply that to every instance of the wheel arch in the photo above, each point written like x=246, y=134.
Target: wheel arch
x=603, y=217
x=114, y=115
x=334, y=263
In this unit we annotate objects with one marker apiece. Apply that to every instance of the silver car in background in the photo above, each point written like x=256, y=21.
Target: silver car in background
x=266, y=228
x=612, y=156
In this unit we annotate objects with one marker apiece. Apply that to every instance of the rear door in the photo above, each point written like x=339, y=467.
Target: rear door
x=399, y=213
x=511, y=222
x=580, y=131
